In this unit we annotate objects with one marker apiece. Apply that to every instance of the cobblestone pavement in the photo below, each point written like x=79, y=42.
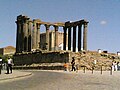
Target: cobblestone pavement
x=60, y=80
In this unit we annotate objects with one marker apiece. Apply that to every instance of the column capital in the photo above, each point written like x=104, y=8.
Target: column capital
x=74, y=27
x=56, y=27
x=25, y=19
x=64, y=28
x=47, y=26
x=85, y=23
x=38, y=25
x=67, y=24
x=70, y=27
x=80, y=24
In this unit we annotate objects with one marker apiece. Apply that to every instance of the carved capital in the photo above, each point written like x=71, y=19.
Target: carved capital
x=38, y=25
x=56, y=27
x=47, y=26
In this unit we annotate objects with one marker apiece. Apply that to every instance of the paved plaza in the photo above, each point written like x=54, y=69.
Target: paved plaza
x=16, y=74
x=60, y=80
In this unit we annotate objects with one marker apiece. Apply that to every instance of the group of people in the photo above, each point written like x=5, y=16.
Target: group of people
x=115, y=66
x=8, y=65
x=74, y=66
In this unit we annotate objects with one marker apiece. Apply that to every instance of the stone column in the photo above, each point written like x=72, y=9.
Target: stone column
x=20, y=34
x=64, y=38
x=30, y=35
x=38, y=36
x=34, y=35
x=47, y=36
x=74, y=38
x=79, y=37
x=69, y=38
x=24, y=33
x=56, y=37
x=25, y=30
x=22, y=38
x=18, y=39
x=52, y=45
x=85, y=36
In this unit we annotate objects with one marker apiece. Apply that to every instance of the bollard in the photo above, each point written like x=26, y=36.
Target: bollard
x=101, y=69
x=84, y=69
x=92, y=69
x=111, y=71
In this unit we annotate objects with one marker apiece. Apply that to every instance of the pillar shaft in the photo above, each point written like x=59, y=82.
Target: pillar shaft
x=69, y=38
x=74, y=38
x=30, y=36
x=56, y=37
x=38, y=36
x=22, y=33
x=18, y=37
x=25, y=30
x=47, y=37
x=64, y=38
x=22, y=39
x=52, y=41
x=79, y=37
x=85, y=36
x=34, y=35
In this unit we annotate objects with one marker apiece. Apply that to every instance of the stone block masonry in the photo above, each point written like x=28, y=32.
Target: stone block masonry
x=41, y=57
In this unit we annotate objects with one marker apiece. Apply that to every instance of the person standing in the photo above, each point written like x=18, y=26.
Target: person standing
x=65, y=66
x=116, y=66
x=0, y=64
x=113, y=66
x=9, y=65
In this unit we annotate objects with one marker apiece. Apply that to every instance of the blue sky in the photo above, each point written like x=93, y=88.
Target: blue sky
x=103, y=17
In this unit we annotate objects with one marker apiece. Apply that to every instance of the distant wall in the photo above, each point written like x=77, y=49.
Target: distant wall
x=7, y=50
x=39, y=57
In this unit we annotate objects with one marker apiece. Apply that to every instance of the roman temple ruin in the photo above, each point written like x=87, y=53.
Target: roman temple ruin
x=29, y=44
x=28, y=34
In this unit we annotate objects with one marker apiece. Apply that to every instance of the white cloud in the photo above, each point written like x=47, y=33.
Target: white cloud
x=103, y=22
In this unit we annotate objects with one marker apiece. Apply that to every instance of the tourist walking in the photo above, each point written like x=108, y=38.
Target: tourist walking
x=9, y=65
x=73, y=64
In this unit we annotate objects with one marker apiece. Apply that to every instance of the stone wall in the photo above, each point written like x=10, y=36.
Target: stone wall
x=41, y=57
